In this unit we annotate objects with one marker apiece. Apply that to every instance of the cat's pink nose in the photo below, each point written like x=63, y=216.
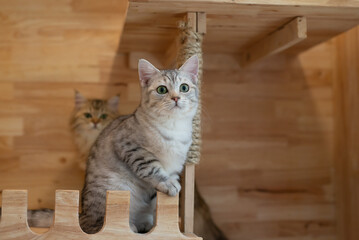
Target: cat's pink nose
x=175, y=99
x=95, y=120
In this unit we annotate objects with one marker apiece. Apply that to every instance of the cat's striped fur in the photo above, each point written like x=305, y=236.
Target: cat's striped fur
x=139, y=160
x=145, y=151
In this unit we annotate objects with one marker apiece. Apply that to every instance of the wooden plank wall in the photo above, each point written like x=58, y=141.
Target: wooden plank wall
x=267, y=167
x=267, y=170
x=48, y=49
x=346, y=89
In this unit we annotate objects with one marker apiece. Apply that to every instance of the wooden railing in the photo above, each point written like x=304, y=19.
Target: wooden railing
x=14, y=225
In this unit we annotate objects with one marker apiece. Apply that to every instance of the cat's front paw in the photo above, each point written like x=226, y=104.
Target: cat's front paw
x=171, y=186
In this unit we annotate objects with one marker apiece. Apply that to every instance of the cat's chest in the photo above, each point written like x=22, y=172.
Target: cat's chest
x=173, y=149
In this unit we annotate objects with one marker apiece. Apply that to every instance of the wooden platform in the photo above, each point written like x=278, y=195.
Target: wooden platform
x=234, y=26
x=14, y=225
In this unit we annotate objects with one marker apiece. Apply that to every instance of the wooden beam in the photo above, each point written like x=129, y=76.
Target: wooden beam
x=187, y=199
x=290, y=34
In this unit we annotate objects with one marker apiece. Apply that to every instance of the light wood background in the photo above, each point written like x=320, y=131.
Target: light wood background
x=347, y=134
x=268, y=169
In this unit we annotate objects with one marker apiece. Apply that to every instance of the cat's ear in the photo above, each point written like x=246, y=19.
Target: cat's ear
x=79, y=99
x=191, y=66
x=146, y=71
x=113, y=103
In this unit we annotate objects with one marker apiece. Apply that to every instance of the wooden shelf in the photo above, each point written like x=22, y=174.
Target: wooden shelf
x=234, y=26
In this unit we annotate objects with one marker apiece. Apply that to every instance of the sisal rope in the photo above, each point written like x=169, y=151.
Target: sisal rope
x=190, y=43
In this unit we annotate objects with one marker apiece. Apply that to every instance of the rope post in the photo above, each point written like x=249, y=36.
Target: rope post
x=192, y=31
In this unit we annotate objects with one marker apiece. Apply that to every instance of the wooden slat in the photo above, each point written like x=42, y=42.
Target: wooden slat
x=11, y=126
x=13, y=225
x=67, y=211
x=117, y=212
x=167, y=214
x=187, y=198
x=170, y=55
x=346, y=87
x=335, y=3
x=278, y=41
x=155, y=59
x=6, y=91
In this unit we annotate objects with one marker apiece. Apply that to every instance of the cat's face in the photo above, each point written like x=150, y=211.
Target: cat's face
x=170, y=92
x=94, y=114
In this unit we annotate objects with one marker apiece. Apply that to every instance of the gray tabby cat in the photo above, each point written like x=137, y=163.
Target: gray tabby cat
x=143, y=152
x=86, y=132
x=89, y=118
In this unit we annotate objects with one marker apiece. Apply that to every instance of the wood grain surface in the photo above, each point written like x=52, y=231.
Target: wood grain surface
x=13, y=225
x=268, y=170
x=233, y=26
x=347, y=134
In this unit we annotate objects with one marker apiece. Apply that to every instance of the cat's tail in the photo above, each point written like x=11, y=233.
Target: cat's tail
x=41, y=218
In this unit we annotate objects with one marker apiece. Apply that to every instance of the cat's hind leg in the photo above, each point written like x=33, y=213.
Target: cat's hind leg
x=142, y=214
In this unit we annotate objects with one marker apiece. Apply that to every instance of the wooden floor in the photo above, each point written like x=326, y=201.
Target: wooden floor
x=267, y=170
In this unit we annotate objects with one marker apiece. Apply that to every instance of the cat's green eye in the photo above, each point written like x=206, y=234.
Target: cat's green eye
x=88, y=115
x=103, y=116
x=184, y=87
x=162, y=90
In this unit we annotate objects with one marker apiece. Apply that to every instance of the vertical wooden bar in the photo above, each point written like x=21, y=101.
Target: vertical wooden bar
x=67, y=212
x=167, y=214
x=13, y=224
x=187, y=199
x=197, y=22
x=117, y=212
x=346, y=90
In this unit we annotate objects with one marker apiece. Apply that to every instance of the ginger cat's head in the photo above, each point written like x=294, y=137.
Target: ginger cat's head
x=93, y=114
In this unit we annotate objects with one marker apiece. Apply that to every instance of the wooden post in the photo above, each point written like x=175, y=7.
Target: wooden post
x=196, y=21
x=187, y=199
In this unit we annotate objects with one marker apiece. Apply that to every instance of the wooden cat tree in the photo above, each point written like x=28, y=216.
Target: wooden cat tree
x=239, y=33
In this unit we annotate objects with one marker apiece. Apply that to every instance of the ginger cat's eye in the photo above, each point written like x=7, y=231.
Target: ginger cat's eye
x=103, y=116
x=88, y=115
x=162, y=90
x=184, y=87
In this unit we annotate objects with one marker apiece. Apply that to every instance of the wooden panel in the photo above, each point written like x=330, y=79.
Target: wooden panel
x=71, y=39
x=267, y=169
x=11, y=126
x=13, y=225
x=347, y=134
x=48, y=49
x=233, y=26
